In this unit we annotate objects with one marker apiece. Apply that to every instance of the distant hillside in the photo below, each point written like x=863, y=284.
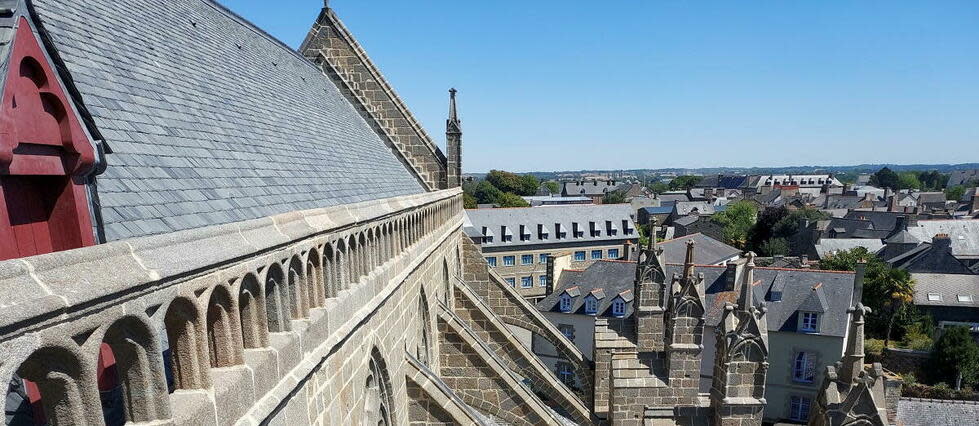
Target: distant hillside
x=861, y=168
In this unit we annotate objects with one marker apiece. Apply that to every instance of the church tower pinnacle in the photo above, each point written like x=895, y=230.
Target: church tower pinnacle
x=453, y=144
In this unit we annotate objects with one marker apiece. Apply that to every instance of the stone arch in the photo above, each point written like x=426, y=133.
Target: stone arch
x=315, y=279
x=353, y=261
x=222, y=329
x=298, y=289
x=68, y=391
x=342, y=259
x=251, y=311
x=748, y=351
x=276, y=300
x=364, y=260
x=377, y=396
x=423, y=351
x=328, y=271
x=371, y=244
x=139, y=368
x=187, y=345
x=402, y=234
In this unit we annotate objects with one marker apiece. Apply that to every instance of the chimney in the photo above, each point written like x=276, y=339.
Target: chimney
x=942, y=242
x=731, y=276
x=901, y=224
x=846, y=189
x=892, y=203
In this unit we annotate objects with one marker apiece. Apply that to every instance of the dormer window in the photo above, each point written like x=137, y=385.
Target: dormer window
x=561, y=231
x=627, y=228
x=618, y=307
x=576, y=229
x=507, y=235
x=524, y=233
x=487, y=235
x=593, y=228
x=565, y=303
x=809, y=322
x=776, y=296
x=541, y=232
x=610, y=228
x=591, y=305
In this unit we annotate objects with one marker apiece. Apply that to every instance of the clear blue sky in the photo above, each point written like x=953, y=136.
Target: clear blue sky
x=565, y=85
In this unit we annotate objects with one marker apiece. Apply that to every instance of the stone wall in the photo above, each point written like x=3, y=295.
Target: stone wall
x=331, y=46
x=303, y=318
x=904, y=361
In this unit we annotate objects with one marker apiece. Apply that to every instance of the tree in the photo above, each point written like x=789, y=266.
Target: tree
x=955, y=356
x=658, y=187
x=775, y=247
x=553, y=186
x=506, y=181
x=899, y=287
x=614, y=197
x=885, y=178
x=529, y=185
x=909, y=180
x=510, y=199
x=736, y=220
x=469, y=201
x=486, y=193
x=955, y=193
x=764, y=226
x=685, y=182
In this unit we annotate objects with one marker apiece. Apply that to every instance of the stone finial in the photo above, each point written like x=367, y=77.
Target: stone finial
x=853, y=355
x=452, y=105
x=688, y=261
x=861, y=270
x=746, y=298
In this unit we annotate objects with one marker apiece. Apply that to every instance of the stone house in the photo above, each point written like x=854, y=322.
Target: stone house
x=517, y=242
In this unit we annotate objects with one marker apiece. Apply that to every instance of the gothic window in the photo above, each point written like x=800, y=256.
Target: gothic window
x=618, y=307
x=422, y=350
x=565, y=302
x=799, y=408
x=377, y=395
x=804, y=367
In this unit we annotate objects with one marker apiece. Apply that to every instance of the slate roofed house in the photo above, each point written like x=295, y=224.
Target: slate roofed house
x=950, y=299
x=963, y=234
x=807, y=317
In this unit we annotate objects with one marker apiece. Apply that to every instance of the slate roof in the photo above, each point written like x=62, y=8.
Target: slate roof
x=673, y=197
x=880, y=220
x=948, y=286
x=964, y=234
x=832, y=289
x=684, y=208
x=829, y=246
x=566, y=215
x=706, y=249
x=613, y=277
x=935, y=412
x=961, y=177
x=845, y=227
x=590, y=187
x=210, y=120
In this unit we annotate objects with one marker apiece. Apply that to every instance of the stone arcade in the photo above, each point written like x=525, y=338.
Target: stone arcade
x=204, y=227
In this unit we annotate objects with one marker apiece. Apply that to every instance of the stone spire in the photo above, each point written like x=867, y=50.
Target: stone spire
x=853, y=355
x=746, y=298
x=453, y=144
x=688, y=260
x=649, y=289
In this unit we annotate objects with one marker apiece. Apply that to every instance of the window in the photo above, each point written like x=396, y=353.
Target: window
x=527, y=259
x=596, y=254
x=543, y=258
x=491, y=261
x=527, y=282
x=576, y=229
x=541, y=232
x=507, y=238
x=613, y=253
x=508, y=260
x=579, y=256
x=512, y=282
x=618, y=307
x=566, y=374
x=567, y=331
x=810, y=322
x=965, y=298
x=804, y=367
x=799, y=408
x=776, y=296
x=591, y=305
x=543, y=280
x=934, y=297
x=565, y=302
